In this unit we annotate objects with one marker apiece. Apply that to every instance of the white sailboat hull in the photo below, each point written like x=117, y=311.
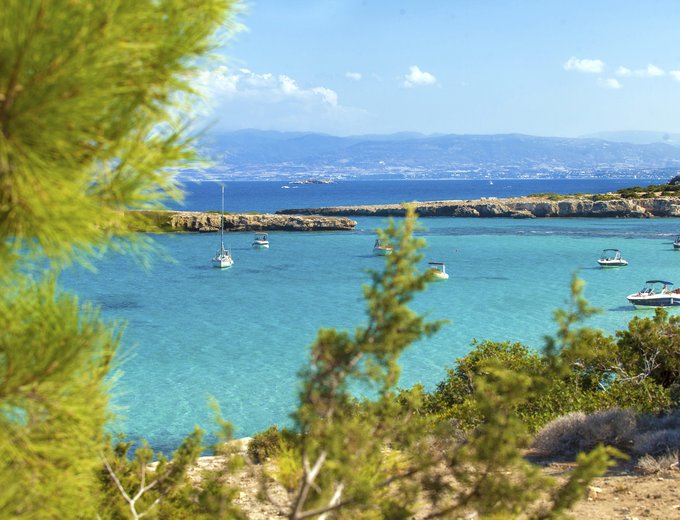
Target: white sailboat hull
x=222, y=261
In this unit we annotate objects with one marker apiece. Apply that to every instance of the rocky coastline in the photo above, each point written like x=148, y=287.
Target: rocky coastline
x=195, y=221
x=517, y=207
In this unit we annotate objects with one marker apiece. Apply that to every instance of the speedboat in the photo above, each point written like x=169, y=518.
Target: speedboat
x=676, y=242
x=655, y=293
x=611, y=258
x=438, y=270
x=261, y=241
x=381, y=248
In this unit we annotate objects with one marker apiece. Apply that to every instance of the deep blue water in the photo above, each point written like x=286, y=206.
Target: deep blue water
x=242, y=334
x=269, y=196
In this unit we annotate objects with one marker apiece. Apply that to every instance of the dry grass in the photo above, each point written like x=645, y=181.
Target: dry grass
x=663, y=464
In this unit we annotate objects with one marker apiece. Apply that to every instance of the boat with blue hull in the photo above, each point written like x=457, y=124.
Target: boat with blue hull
x=655, y=293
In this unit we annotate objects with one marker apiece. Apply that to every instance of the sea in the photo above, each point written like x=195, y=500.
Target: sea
x=240, y=336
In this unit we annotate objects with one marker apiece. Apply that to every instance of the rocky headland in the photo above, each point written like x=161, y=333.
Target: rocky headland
x=517, y=207
x=196, y=221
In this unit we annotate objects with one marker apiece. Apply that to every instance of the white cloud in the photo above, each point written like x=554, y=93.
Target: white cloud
x=242, y=98
x=584, y=65
x=675, y=74
x=327, y=94
x=354, y=76
x=652, y=71
x=417, y=77
x=223, y=82
x=609, y=83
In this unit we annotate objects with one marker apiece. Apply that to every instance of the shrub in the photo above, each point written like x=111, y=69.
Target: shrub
x=575, y=432
x=269, y=443
x=656, y=442
x=650, y=348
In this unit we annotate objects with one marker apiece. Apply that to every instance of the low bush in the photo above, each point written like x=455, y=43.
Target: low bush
x=570, y=434
x=661, y=464
x=269, y=444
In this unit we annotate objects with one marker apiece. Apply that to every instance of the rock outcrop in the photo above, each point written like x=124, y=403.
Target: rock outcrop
x=519, y=207
x=210, y=222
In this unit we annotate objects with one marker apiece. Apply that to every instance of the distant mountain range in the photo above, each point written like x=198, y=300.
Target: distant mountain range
x=255, y=154
x=637, y=137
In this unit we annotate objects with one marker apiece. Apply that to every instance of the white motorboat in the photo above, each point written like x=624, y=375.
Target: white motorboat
x=611, y=258
x=676, y=242
x=655, y=293
x=222, y=258
x=381, y=248
x=439, y=270
x=261, y=241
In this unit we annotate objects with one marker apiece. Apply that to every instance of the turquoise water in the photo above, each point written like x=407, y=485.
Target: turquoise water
x=242, y=334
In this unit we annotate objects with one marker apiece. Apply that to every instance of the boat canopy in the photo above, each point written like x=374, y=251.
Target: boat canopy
x=615, y=250
x=436, y=263
x=659, y=281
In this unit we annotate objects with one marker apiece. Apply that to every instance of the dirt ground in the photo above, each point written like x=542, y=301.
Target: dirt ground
x=624, y=493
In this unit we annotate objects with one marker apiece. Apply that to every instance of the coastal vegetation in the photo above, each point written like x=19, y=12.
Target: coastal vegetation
x=668, y=189
x=91, y=121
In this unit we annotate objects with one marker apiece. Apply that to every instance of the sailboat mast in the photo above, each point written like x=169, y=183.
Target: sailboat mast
x=222, y=223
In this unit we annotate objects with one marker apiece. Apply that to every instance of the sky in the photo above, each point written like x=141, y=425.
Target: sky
x=350, y=67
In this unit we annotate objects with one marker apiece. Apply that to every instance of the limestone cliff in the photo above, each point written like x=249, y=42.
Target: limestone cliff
x=210, y=222
x=519, y=207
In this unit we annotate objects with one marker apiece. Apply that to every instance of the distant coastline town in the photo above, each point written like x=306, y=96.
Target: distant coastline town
x=318, y=158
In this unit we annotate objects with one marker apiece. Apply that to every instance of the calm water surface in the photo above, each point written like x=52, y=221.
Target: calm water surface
x=242, y=334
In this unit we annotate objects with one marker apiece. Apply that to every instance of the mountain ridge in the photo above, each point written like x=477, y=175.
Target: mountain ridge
x=271, y=154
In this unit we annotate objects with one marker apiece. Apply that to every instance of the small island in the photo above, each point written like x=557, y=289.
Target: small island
x=647, y=202
x=206, y=222
x=313, y=180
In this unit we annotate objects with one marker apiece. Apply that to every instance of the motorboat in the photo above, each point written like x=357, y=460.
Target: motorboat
x=381, y=248
x=655, y=293
x=222, y=258
x=438, y=270
x=611, y=258
x=676, y=242
x=261, y=241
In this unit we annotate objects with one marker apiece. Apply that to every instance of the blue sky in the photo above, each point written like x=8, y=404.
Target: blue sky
x=554, y=68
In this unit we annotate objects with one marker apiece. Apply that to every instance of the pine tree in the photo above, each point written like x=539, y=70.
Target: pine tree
x=92, y=122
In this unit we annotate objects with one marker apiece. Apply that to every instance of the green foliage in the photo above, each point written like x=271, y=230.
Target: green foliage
x=453, y=397
x=650, y=348
x=149, y=221
x=92, y=114
x=270, y=443
x=549, y=195
x=54, y=357
x=651, y=191
x=93, y=99
x=162, y=489
x=604, y=197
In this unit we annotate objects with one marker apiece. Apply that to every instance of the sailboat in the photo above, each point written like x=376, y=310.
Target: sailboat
x=222, y=258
